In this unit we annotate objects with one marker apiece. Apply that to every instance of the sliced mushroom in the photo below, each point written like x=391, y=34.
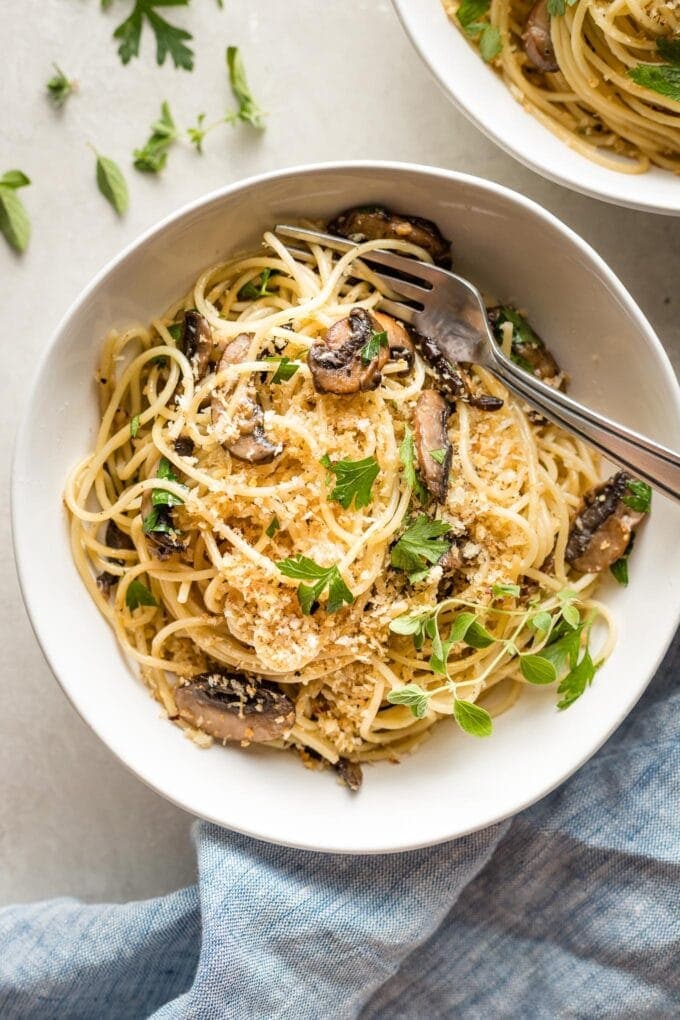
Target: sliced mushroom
x=184, y=446
x=252, y=445
x=399, y=343
x=115, y=538
x=603, y=526
x=232, y=707
x=537, y=40
x=430, y=434
x=350, y=773
x=336, y=362
x=372, y=222
x=527, y=349
x=451, y=380
x=197, y=342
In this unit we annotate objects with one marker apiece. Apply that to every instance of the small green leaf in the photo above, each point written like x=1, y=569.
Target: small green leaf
x=14, y=221
x=152, y=157
x=669, y=48
x=558, y=7
x=537, y=670
x=438, y=456
x=639, y=497
x=490, y=44
x=14, y=179
x=112, y=184
x=413, y=696
x=420, y=544
x=541, y=622
x=477, y=636
x=500, y=591
x=273, y=527
x=169, y=38
x=355, y=480
x=256, y=288
x=248, y=109
x=571, y=614
x=137, y=594
x=407, y=456
x=286, y=369
x=134, y=426
x=198, y=133
x=472, y=718
x=461, y=626
x=470, y=11
x=371, y=349
x=302, y=568
x=575, y=682
x=661, y=78
x=408, y=624
x=59, y=87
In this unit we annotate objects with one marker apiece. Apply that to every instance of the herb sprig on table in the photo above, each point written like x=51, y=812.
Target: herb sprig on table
x=559, y=649
x=14, y=222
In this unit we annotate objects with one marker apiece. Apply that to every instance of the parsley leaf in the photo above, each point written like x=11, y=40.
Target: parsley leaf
x=490, y=44
x=161, y=497
x=619, y=569
x=138, y=594
x=500, y=591
x=134, y=426
x=559, y=7
x=286, y=369
x=371, y=349
x=669, y=48
x=273, y=527
x=639, y=498
x=420, y=544
x=469, y=12
x=407, y=456
x=169, y=38
x=412, y=695
x=472, y=718
x=111, y=183
x=256, y=288
x=575, y=682
x=302, y=568
x=14, y=222
x=438, y=456
x=59, y=87
x=248, y=110
x=354, y=480
x=153, y=156
x=198, y=133
x=661, y=78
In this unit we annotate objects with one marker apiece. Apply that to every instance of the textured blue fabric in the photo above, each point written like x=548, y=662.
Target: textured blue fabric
x=572, y=909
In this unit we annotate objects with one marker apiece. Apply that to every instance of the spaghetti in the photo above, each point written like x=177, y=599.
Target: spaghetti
x=601, y=81
x=181, y=542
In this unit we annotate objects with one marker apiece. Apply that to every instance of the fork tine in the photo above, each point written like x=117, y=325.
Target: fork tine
x=403, y=288
x=390, y=260
x=399, y=311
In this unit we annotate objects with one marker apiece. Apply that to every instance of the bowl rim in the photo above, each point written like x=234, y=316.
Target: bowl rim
x=22, y=440
x=411, y=22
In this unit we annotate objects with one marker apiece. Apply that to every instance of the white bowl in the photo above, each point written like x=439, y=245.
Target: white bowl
x=485, y=99
x=454, y=784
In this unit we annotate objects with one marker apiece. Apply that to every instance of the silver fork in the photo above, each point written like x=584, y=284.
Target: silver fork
x=451, y=310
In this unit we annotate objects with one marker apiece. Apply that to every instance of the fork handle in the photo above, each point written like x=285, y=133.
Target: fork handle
x=655, y=464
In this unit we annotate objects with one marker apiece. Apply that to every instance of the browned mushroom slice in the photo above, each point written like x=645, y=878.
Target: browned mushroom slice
x=537, y=40
x=372, y=222
x=252, y=445
x=399, y=343
x=197, y=342
x=527, y=349
x=451, y=380
x=603, y=526
x=350, y=773
x=235, y=707
x=432, y=444
x=114, y=538
x=337, y=362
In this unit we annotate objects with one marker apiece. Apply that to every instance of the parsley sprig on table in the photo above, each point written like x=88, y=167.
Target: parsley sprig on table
x=559, y=649
x=354, y=480
x=304, y=569
x=169, y=38
x=14, y=222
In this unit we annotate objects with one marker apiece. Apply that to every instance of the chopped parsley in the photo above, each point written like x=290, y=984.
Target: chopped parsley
x=661, y=78
x=256, y=288
x=134, y=426
x=273, y=526
x=354, y=480
x=420, y=545
x=407, y=456
x=559, y=7
x=371, y=349
x=439, y=456
x=137, y=594
x=638, y=497
x=286, y=369
x=302, y=568
x=489, y=38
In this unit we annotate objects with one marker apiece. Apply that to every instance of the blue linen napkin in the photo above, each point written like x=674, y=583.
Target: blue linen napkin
x=571, y=909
